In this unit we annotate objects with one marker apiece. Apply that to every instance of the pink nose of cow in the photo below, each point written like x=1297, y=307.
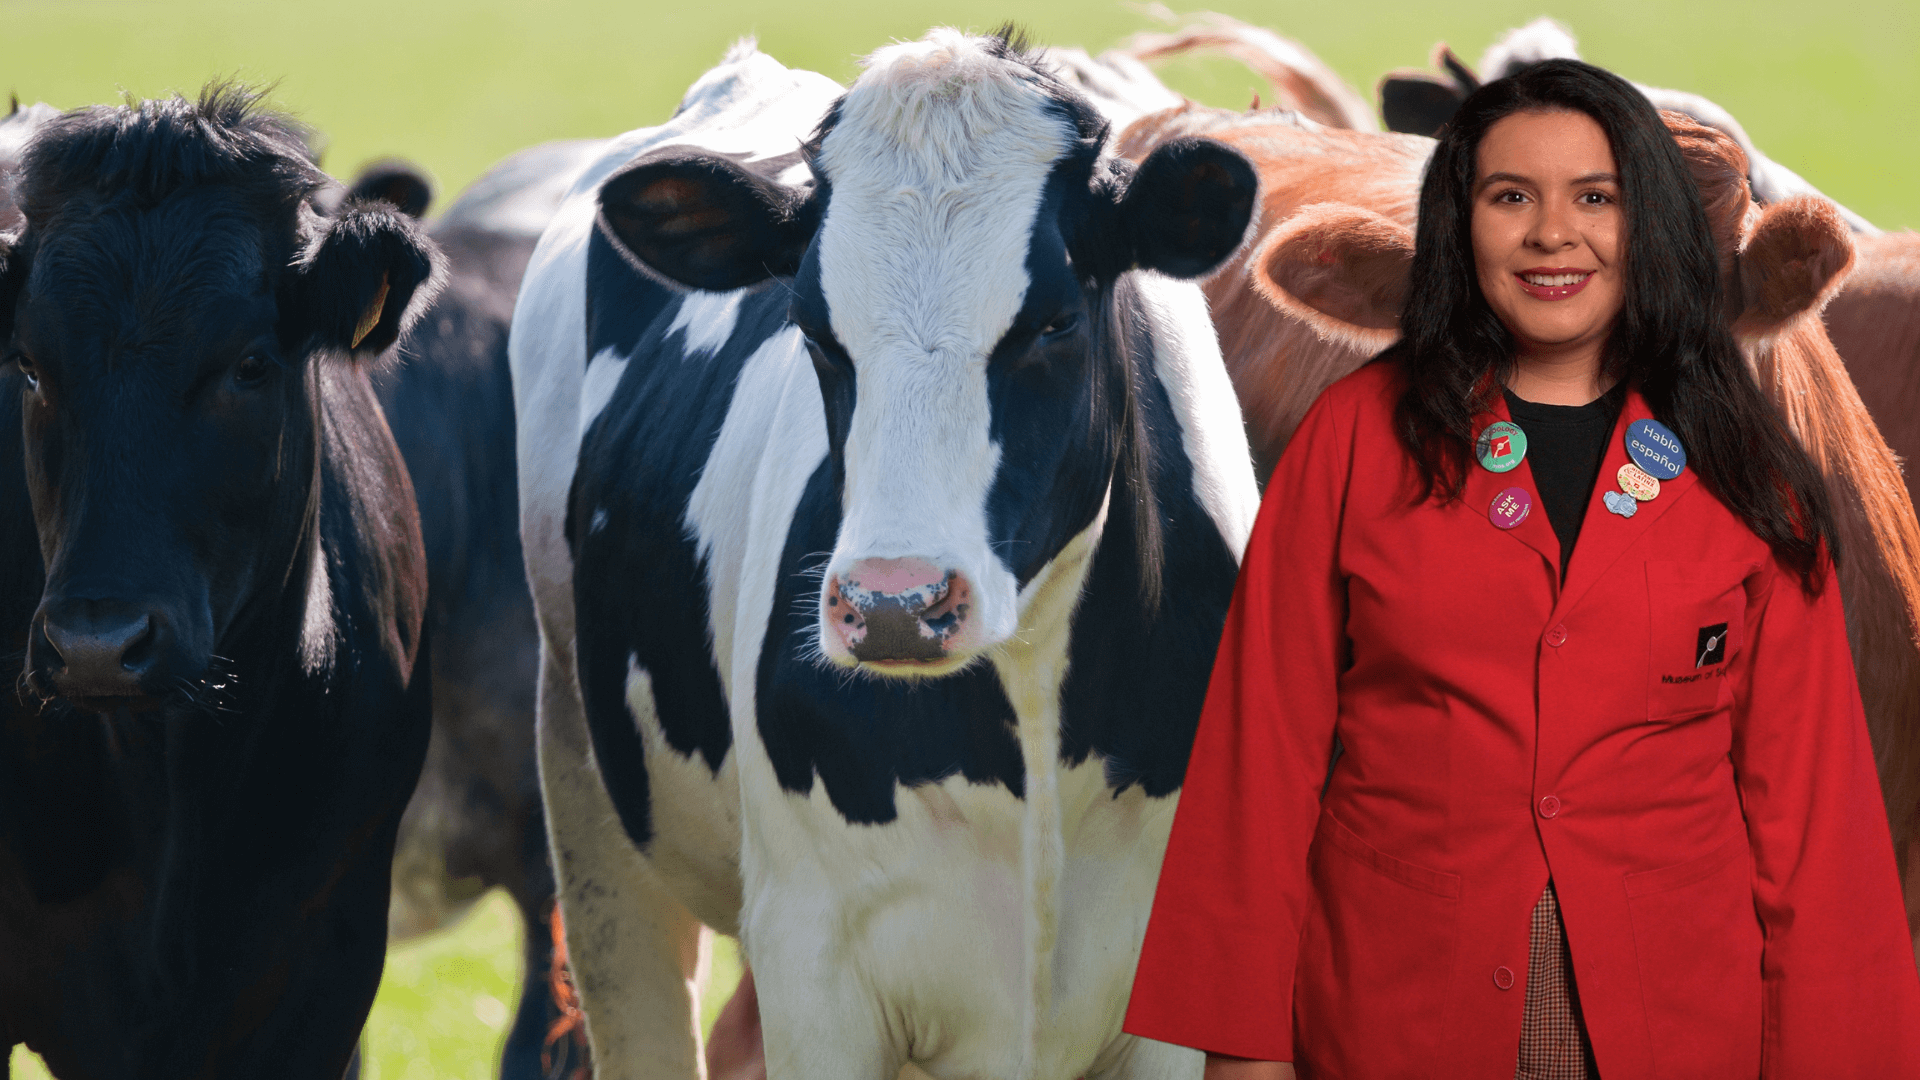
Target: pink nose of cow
x=897, y=609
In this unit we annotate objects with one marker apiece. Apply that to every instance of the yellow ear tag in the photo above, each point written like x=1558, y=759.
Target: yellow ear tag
x=372, y=317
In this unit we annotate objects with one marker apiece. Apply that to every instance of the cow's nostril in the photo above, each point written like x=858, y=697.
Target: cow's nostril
x=98, y=651
x=897, y=609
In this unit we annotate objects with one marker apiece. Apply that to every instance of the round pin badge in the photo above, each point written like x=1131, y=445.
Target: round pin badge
x=1635, y=482
x=1655, y=449
x=1510, y=507
x=1500, y=447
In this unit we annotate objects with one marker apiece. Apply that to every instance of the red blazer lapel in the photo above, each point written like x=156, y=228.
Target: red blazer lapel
x=1604, y=535
x=1483, y=486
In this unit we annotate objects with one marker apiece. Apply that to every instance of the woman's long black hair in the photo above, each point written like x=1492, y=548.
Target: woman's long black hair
x=1671, y=337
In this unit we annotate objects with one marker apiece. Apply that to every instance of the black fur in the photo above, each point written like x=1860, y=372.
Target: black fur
x=194, y=883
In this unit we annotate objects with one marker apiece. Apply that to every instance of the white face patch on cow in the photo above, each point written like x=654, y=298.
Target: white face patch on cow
x=937, y=167
x=708, y=319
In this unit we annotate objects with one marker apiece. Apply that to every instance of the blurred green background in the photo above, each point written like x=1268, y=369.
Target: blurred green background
x=1830, y=89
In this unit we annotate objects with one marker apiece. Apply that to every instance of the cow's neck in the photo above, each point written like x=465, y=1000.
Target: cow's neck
x=1033, y=668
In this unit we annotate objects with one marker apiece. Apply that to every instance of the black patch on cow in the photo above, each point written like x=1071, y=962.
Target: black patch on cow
x=1137, y=674
x=618, y=317
x=640, y=590
x=862, y=735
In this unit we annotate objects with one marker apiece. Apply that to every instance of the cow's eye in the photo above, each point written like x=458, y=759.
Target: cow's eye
x=252, y=370
x=19, y=359
x=1060, y=326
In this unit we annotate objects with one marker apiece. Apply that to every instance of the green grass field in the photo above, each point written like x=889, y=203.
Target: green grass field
x=1830, y=89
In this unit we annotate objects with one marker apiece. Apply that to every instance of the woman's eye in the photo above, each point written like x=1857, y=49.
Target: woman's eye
x=251, y=370
x=27, y=369
x=1596, y=198
x=1511, y=198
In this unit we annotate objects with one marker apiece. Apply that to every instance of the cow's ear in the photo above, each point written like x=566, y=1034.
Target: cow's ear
x=1795, y=259
x=705, y=222
x=1418, y=102
x=1187, y=207
x=368, y=273
x=401, y=183
x=1342, y=270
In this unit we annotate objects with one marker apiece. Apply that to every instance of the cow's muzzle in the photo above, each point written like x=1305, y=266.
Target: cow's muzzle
x=98, y=654
x=894, y=611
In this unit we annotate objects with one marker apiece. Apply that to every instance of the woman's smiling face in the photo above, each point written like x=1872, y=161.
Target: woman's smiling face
x=1548, y=233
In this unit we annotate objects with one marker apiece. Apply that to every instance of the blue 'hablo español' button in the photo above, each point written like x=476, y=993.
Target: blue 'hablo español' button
x=1655, y=449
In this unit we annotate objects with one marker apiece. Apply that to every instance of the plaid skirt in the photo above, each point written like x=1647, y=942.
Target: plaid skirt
x=1553, y=1037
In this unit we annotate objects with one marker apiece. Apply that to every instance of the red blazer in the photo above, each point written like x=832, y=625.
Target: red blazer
x=1714, y=830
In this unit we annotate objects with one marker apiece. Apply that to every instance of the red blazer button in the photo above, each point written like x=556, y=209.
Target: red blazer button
x=1503, y=978
x=1549, y=807
x=1557, y=636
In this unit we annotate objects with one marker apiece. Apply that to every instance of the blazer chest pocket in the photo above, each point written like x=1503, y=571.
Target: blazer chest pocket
x=1698, y=612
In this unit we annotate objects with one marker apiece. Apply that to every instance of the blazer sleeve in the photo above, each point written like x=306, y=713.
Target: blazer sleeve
x=1216, y=968
x=1842, y=998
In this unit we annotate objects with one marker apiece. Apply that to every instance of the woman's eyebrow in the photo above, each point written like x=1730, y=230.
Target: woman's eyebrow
x=1491, y=179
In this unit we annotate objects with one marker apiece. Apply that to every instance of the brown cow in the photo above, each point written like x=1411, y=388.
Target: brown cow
x=1875, y=323
x=1319, y=292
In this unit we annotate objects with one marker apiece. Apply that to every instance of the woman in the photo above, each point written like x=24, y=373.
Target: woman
x=1551, y=587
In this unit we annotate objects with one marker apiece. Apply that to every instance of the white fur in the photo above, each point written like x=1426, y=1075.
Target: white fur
x=1120, y=86
x=596, y=388
x=937, y=168
x=708, y=319
x=1187, y=360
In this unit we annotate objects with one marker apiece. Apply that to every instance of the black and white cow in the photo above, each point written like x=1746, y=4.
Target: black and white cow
x=884, y=490
x=211, y=562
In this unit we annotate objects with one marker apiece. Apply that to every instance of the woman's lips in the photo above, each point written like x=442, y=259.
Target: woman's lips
x=1554, y=284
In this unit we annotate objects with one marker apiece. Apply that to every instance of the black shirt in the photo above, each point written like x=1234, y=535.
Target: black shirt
x=1565, y=446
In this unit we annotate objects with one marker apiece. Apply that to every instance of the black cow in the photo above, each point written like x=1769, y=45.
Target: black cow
x=475, y=820
x=217, y=725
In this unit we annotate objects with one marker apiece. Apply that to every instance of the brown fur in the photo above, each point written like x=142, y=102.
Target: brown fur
x=1280, y=363
x=1875, y=323
x=1299, y=79
x=1782, y=265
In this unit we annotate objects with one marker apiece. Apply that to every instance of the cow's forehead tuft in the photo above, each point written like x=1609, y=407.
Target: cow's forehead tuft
x=944, y=109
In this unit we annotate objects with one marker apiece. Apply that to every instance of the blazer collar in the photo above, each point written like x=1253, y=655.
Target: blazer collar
x=1604, y=535
x=1484, y=485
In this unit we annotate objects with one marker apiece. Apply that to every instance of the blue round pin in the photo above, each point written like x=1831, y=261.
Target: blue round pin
x=1655, y=449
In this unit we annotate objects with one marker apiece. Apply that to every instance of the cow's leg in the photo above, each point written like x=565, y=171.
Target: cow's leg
x=819, y=1019
x=635, y=951
x=523, y=1054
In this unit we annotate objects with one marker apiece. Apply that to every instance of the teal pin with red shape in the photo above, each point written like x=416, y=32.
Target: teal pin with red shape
x=1501, y=447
